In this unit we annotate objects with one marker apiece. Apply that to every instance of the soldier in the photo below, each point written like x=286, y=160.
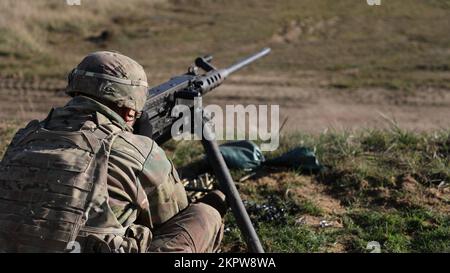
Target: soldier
x=81, y=178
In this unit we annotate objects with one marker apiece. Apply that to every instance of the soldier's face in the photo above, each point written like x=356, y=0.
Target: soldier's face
x=129, y=116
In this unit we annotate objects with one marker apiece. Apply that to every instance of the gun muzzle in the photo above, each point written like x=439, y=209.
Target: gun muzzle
x=215, y=77
x=244, y=62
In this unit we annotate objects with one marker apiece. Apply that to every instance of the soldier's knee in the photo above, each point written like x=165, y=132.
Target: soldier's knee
x=209, y=232
x=207, y=214
x=198, y=228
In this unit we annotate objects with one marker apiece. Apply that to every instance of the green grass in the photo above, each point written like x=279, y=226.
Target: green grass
x=288, y=239
x=364, y=173
x=396, y=231
x=401, y=231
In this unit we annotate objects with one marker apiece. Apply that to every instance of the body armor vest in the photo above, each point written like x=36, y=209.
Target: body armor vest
x=51, y=184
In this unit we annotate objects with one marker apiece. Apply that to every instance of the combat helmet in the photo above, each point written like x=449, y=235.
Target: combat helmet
x=110, y=77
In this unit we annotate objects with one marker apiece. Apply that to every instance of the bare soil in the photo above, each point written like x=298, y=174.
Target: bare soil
x=314, y=110
x=308, y=109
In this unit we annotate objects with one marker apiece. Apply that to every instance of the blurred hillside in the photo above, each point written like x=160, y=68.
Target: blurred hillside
x=402, y=44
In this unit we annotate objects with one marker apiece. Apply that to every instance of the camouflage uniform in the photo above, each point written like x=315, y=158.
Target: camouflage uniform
x=82, y=175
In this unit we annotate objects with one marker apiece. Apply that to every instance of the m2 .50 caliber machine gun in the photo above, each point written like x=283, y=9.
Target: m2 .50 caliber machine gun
x=157, y=120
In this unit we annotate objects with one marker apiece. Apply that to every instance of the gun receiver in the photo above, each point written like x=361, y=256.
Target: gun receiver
x=156, y=122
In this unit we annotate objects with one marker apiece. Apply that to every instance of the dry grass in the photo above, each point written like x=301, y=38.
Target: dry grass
x=402, y=44
x=46, y=34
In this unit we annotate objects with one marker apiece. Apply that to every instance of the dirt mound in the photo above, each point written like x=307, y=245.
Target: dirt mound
x=303, y=190
x=434, y=197
x=308, y=28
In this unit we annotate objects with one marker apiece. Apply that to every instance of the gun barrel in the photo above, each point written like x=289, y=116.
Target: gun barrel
x=244, y=62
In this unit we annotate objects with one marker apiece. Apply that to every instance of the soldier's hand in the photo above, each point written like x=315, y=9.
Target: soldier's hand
x=217, y=200
x=142, y=126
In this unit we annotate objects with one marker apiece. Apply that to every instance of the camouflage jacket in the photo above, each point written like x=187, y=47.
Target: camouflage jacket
x=143, y=184
x=143, y=187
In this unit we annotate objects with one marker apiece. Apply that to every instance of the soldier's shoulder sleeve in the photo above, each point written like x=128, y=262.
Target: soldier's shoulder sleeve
x=144, y=166
x=126, y=161
x=165, y=192
x=139, y=147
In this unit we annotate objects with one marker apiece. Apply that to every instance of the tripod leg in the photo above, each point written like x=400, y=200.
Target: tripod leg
x=227, y=185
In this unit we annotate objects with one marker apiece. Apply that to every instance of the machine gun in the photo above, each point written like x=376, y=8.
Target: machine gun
x=157, y=120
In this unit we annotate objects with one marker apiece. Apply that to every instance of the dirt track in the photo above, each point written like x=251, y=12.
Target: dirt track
x=308, y=109
x=314, y=109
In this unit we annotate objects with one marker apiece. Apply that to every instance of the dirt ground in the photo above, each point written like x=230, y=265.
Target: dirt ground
x=308, y=109
x=334, y=64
